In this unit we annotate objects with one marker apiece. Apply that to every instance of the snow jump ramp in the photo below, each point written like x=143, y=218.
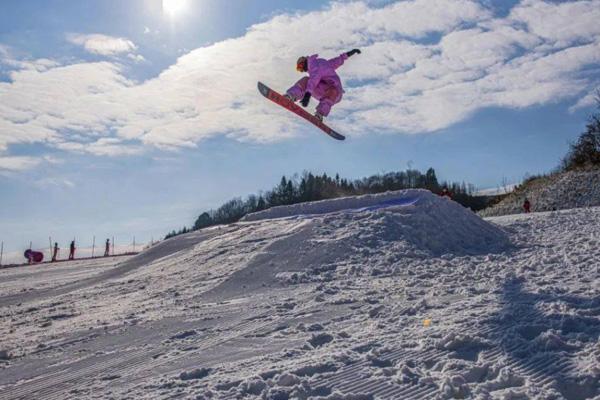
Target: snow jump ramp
x=392, y=226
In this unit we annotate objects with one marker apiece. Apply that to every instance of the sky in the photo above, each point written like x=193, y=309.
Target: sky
x=131, y=118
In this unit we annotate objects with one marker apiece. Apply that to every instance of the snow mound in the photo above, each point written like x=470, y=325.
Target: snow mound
x=572, y=189
x=422, y=221
x=391, y=227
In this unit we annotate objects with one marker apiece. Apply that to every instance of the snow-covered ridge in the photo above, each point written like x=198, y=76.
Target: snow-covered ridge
x=572, y=189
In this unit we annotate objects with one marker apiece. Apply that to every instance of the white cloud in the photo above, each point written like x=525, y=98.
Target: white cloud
x=138, y=58
x=17, y=164
x=53, y=160
x=102, y=147
x=588, y=100
x=57, y=182
x=8, y=59
x=102, y=44
x=561, y=23
x=540, y=53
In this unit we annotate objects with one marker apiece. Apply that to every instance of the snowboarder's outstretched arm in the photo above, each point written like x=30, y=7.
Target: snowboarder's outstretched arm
x=336, y=62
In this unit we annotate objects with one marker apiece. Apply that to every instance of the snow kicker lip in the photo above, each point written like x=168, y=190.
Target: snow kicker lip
x=392, y=203
x=369, y=202
x=408, y=201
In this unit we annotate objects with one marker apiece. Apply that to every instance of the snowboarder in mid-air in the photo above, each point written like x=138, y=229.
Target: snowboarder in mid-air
x=322, y=82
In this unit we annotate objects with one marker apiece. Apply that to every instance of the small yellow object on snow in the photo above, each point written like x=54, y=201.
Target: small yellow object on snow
x=427, y=322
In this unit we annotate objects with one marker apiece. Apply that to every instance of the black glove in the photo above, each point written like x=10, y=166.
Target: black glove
x=353, y=52
x=305, y=99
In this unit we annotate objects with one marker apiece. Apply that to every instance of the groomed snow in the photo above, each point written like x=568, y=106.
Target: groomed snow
x=401, y=300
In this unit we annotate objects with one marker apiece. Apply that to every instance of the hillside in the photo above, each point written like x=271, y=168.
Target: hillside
x=403, y=295
x=559, y=191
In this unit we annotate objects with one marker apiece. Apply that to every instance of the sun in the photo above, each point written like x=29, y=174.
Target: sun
x=173, y=7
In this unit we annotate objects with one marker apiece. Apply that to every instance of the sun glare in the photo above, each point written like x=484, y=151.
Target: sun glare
x=173, y=7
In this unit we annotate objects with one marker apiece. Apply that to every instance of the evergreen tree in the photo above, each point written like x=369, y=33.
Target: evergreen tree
x=203, y=221
x=585, y=151
x=261, y=204
x=431, y=180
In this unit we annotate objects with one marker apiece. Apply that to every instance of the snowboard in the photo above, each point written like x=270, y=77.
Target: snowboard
x=296, y=109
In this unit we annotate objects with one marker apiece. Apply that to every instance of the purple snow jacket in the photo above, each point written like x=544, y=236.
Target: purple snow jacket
x=321, y=70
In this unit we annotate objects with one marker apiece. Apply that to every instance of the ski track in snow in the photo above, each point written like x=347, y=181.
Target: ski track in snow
x=333, y=300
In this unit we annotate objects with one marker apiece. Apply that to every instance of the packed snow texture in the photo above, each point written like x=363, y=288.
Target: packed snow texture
x=561, y=191
x=416, y=221
x=414, y=301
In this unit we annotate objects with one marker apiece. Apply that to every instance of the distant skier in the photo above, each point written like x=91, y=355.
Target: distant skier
x=55, y=252
x=33, y=256
x=322, y=82
x=527, y=206
x=107, y=248
x=446, y=193
x=72, y=250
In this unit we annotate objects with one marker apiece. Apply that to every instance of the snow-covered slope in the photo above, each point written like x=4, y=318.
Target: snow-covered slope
x=561, y=191
x=411, y=300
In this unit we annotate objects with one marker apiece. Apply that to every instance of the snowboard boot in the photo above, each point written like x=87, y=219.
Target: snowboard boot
x=319, y=116
x=289, y=97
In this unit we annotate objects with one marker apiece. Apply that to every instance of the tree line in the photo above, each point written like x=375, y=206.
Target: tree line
x=585, y=151
x=313, y=187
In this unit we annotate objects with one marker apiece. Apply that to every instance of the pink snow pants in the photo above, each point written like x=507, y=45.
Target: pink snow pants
x=327, y=94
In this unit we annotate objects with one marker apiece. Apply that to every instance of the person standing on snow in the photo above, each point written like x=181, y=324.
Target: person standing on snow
x=322, y=82
x=55, y=252
x=72, y=250
x=107, y=248
x=527, y=206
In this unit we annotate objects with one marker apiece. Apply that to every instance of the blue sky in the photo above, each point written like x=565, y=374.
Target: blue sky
x=122, y=119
